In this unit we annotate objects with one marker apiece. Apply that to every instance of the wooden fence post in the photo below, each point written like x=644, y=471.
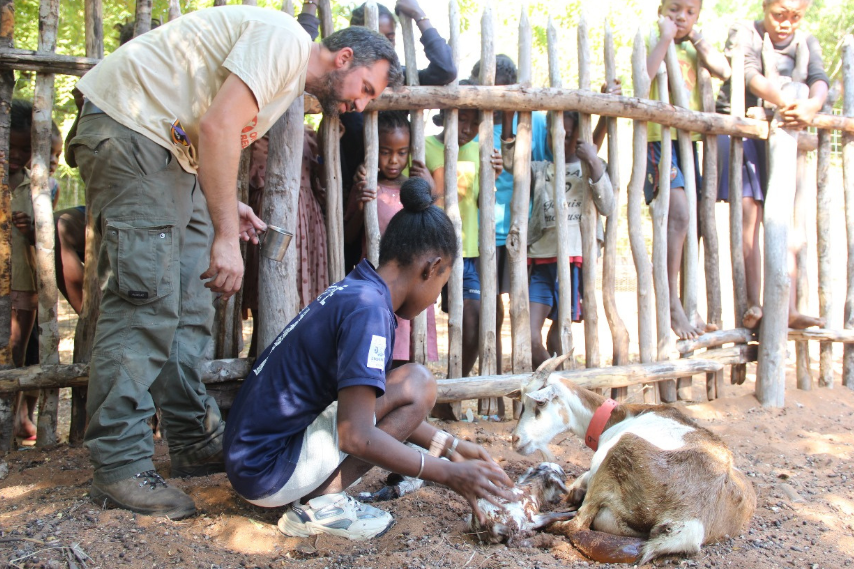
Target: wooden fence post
x=416, y=144
x=660, y=213
x=635, y=200
x=589, y=213
x=7, y=86
x=93, y=11
x=561, y=207
x=709, y=229
x=486, y=198
x=517, y=236
x=142, y=22
x=619, y=333
x=43, y=218
x=824, y=210
x=801, y=284
x=738, y=373
x=174, y=9
x=848, y=188
x=773, y=331
x=278, y=296
x=372, y=157
x=690, y=254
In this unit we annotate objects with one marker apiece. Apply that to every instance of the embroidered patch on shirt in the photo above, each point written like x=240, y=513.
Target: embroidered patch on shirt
x=376, y=354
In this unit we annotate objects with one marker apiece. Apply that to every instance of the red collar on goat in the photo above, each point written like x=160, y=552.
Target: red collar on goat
x=597, y=424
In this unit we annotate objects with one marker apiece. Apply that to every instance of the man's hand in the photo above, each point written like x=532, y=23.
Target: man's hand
x=225, y=274
x=799, y=113
x=667, y=28
x=250, y=224
x=408, y=8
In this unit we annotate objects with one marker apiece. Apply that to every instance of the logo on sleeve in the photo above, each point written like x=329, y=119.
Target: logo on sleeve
x=376, y=354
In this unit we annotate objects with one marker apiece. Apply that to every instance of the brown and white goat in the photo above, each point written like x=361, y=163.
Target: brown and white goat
x=658, y=484
x=517, y=520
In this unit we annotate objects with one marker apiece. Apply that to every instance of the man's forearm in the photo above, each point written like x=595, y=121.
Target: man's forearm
x=219, y=156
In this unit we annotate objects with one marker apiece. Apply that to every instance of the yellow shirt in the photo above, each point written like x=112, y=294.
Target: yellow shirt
x=687, y=57
x=173, y=72
x=468, y=186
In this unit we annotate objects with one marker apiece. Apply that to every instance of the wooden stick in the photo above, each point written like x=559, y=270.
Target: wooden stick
x=416, y=143
x=561, y=207
x=331, y=128
x=660, y=213
x=714, y=339
x=43, y=218
x=845, y=336
x=250, y=2
x=801, y=284
x=619, y=332
x=635, y=197
x=488, y=266
x=278, y=296
x=517, y=237
x=93, y=11
x=848, y=189
x=372, y=157
x=823, y=224
x=736, y=160
x=690, y=254
x=771, y=369
x=142, y=22
x=589, y=213
x=452, y=208
x=708, y=227
x=7, y=87
x=327, y=26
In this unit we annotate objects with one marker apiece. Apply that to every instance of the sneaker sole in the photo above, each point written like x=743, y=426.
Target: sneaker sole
x=291, y=529
x=104, y=500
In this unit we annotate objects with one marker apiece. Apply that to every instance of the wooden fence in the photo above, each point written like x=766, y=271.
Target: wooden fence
x=662, y=361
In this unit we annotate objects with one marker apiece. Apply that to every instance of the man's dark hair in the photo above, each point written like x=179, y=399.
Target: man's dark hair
x=126, y=30
x=368, y=47
x=22, y=116
x=418, y=229
x=389, y=121
x=357, y=17
x=505, y=71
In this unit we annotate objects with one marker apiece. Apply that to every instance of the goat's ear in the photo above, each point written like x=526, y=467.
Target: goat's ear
x=543, y=395
x=515, y=395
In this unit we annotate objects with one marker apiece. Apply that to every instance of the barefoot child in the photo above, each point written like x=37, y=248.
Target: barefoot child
x=781, y=21
x=394, y=130
x=542, y=231
x=322, y=405
x=676, y=24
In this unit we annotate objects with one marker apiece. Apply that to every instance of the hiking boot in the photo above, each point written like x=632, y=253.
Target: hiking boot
x=335, y=514
x=183, y=468
x=144, y=493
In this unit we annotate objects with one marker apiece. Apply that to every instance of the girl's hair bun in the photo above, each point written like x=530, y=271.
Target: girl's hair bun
x=415, y=195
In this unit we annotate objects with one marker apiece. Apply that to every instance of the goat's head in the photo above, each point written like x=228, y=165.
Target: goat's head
x=551, y=478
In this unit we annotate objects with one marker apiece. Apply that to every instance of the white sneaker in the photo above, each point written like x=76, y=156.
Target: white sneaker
x=336, y=514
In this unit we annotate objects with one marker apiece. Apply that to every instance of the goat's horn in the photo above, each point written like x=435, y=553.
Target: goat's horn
x=551, y=364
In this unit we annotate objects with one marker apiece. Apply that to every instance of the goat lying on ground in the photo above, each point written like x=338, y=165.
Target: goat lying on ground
x=658, y=483
x=518, y=519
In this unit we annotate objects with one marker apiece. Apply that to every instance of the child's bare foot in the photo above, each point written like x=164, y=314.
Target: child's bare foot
x=752, y=317
x=24, y=427
x=800, y=321
x=679, y=322
x=701, y=325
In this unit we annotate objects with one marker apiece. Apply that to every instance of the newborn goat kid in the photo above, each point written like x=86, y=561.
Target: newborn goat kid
x=518, y=519
x=658, y=484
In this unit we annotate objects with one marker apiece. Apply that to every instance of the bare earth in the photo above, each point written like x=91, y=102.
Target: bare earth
x=799, y=459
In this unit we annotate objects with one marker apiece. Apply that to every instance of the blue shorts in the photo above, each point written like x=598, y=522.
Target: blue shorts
x=677, y=179
x=471, y=279
x=543, y=288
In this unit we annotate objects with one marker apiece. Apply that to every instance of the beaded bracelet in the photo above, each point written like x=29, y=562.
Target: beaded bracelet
x=437, y=444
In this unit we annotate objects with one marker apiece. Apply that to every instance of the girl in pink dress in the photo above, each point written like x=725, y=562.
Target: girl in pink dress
x=393, y=161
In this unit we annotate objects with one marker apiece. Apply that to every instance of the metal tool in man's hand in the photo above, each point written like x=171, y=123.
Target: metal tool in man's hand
x=274, y=242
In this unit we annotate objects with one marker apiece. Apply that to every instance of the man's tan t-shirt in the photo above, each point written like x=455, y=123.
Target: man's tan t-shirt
x=173, y=72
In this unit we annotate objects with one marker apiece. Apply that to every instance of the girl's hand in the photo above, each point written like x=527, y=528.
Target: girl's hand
x=470, y=451
x=419, y=170
x=799, y=113
x=25, y=225
x=473, y=479
x=497, y=162
x=361, y=174
x=617, y=89
x=364, y=194
x=588, y=153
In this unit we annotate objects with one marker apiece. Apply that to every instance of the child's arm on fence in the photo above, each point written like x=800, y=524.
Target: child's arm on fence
x=600, y=184
x=666, y=32
x=602, y=124
x=709, y=57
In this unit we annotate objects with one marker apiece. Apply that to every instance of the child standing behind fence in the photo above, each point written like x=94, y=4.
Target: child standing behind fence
x=780, y=21
x=394, y=133
x=542, y=229
x=468, y=190
x=676, y=24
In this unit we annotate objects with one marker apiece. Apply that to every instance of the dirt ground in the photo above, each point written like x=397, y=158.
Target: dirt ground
x=799, y=459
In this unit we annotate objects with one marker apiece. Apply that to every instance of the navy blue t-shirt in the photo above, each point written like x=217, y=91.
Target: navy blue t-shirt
x=344, y=338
